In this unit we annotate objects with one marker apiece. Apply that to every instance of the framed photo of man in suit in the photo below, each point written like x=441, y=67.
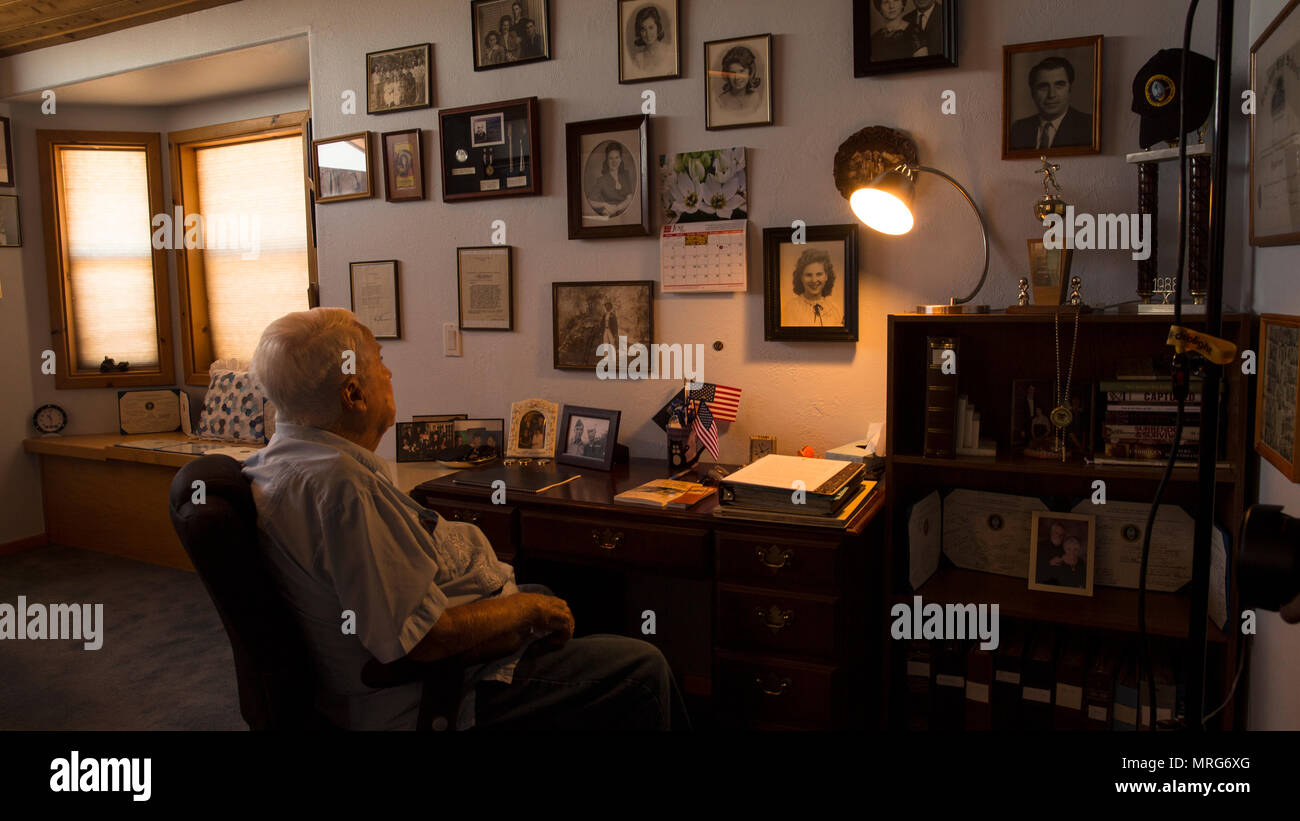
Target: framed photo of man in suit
x=1051, y=98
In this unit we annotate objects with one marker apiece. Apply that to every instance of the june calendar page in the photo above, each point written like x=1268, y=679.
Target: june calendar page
x=704, y=256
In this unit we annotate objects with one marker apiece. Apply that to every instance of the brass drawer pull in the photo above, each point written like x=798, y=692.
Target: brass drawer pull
x=774, y=557
x=470, y=516
x=607, y=539
x=774, y=618
x=776, y=687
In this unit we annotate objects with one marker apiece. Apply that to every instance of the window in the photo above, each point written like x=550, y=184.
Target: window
x=107, y=284
x=247, y=255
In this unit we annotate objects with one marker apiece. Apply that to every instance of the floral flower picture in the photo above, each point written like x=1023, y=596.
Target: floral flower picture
x=703, y=186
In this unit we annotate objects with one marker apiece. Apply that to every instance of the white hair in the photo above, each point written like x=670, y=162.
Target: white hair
x=299, y=363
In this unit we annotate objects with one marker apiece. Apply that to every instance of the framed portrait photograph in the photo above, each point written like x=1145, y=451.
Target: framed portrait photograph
x=903, y=35
x=1062, y=547
x=343, y=167
x=738, y=84
x=375, y=299
x=510, y=32
x=1275, y=132
x=532, y=429
x=1051, y=98
x=587, y=315
x=399, y=79
x=1049, y=271
x=609, y=177
x=1032, y=431
x=11, y=232
x=649, y=40
x=6, y=155
x=485, y=288
x=421, y=441
x=403, y=165
x=588, y=436
x=811, y=288
x=490, y=150
x=485, y=435
x=1278, y=392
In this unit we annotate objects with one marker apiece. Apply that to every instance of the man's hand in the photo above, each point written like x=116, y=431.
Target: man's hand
x=552, y=617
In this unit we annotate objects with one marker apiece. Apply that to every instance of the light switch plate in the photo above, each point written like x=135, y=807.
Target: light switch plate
x=450, y=339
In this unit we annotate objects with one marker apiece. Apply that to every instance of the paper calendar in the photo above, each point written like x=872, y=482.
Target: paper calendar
x=704, y=256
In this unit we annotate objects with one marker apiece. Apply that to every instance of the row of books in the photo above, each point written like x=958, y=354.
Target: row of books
x=1041, y=677
x=1141, y=421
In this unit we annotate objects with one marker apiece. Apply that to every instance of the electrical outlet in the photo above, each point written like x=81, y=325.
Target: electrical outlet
x=450, y=339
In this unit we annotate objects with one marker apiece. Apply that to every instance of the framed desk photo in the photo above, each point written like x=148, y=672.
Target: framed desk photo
x=491, y=150
x=343, y=167
x=1051, y=98
x=485, y=288
x=588, y=437
x=1276, y=422
x=811, y=289
x=375, y=299
x=903, y=35
x=1275, y=132
x=403, y=165
x=609, y=177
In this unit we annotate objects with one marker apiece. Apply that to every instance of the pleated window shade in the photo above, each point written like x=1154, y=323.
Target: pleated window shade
x=250, y=196
x=110, y=276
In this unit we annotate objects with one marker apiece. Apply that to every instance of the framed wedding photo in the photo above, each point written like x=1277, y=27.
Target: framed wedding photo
x=490, y=150
x=485, y=288
x=403, y=165
x=1274, y=132
x=1051, y=98
x=609, y=177
x=587, y=315
x=399, y=79
x=343, y=167
x=649, y=40
x=1277, y=426
x=510, y=32
x=903, y=35
x=811, y=288
x=738, y=85
x=375, y=299
x=588, y=437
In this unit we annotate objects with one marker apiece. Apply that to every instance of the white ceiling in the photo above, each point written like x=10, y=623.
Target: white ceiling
x=281, y=64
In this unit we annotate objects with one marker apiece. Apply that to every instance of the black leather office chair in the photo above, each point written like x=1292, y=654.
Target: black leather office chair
x=272, y=664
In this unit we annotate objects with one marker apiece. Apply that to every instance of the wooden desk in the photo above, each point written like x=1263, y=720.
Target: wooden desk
x=771, y=622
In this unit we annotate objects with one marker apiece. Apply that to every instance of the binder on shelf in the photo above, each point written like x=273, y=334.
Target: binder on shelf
x=949, y=686
x=1099, y=687
x=1125, y=710
x=1038, y=678
x=919, y=678
x=1067, y=712
x=1006, y=678
x=979, y=688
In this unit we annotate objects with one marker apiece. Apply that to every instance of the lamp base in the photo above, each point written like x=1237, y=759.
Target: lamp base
x=952, y=309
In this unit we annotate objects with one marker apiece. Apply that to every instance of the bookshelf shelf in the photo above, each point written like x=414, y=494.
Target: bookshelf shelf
x=1046, y=467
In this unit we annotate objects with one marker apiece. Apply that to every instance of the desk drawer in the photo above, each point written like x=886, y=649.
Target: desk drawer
x=753, y=690
x=496, y=521
x=783, y=561
x=608, y=539
x=753, y=618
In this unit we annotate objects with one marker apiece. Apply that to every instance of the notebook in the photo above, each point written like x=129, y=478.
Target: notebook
x=528, y=480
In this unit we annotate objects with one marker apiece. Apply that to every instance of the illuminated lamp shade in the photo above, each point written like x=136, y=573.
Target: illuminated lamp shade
x=886, y=204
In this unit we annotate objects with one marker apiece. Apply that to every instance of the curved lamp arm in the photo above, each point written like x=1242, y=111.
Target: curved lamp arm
x=984, y=231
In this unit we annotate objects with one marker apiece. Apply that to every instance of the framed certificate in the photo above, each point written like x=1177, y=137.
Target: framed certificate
x=485, y=288
x=375, y=298
x=1275, y=133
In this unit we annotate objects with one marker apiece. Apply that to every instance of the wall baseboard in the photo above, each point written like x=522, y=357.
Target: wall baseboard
x=39, y=540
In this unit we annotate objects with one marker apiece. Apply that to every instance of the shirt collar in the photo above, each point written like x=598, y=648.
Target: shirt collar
x=1056, y=126
x=305, y=433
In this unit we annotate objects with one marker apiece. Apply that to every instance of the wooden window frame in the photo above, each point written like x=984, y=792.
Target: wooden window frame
x=68, y=375
x=196, y=337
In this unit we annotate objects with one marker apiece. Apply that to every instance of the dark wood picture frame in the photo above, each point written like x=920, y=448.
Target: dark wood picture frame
x=369, y=173
x=417, y=170
x=764, y=86
x=510, y=287
x=573, y=134
x=1267, y=391
x=478, y=36
x=1256, y=238
x=463, y=161
x=604, y=462
x=7, y=179
x=676, y=33
x=1031, y=153
x=404, y=431
x=397, y=295
x=374, y=106
x=865, y=66
x=773, y=329
x=648, y=306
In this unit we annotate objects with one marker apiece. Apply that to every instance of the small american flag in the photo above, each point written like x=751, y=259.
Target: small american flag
x=706, y=429
x=724, y=402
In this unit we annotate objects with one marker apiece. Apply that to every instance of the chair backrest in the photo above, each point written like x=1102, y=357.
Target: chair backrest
x=217, y=524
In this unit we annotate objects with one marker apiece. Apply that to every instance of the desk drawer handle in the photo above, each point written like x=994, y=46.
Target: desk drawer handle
x=607, y=539
x=470, y=516
x=774, y=557
x=774, y=618
x=772, y=686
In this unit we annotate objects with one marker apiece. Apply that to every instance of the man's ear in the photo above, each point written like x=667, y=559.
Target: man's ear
x=352, y=395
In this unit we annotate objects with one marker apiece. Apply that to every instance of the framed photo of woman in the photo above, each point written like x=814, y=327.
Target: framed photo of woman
x=811, y=288
x=649, y=40
x=903, y=35
x=609, y=177
x=403, y=165
x=738, y=88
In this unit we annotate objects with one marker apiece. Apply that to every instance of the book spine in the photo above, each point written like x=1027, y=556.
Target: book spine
x=1145, y=385
x=1136, y=450
x=1149, y=434
x=1166, y=418
x=1151, y=398
x=940, y=398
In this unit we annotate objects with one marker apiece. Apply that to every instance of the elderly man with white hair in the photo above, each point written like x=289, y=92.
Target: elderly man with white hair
x=342, y=538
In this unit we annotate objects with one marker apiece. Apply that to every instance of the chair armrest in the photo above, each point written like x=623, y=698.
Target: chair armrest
x=441, y=681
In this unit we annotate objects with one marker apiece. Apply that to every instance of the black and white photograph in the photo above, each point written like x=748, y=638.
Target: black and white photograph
x=649, y=40
x=510, y=32
x=738, y=91
x=1278, y=392
x=11, y=234
x=532, y=432
x=1032, y=431
x=487, y=129
x=811, y=287
x=484, y=437
x=608, y=175
x=1062, y=547
x=490, y=150
x=343, y=167
x=588, y=437
x=1051, y=98
x=403, y=165
x=399, y=79
x=421, y=441
x=903, y=35
x=587, y=315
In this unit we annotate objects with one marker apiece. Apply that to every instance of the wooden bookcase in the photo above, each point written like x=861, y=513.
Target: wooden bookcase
x=996, y=349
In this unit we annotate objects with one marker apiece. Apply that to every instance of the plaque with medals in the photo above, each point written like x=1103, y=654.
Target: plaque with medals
x=491, y=150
